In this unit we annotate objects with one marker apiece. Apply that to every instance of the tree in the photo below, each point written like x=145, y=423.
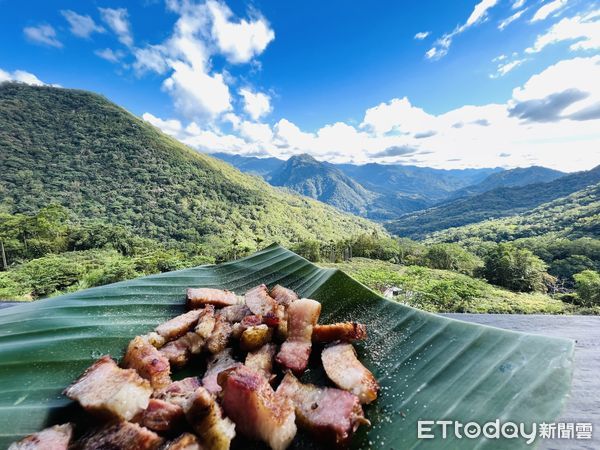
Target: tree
x=587, y=285
x=515, y=268
x=452, y=257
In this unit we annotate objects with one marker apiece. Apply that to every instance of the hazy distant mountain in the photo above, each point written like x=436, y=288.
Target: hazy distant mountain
x=501, y=202
x=251, y=164
x=510, y=178
x=376, y=191
x=77, y=149
x=324, y=182
x=430, y=184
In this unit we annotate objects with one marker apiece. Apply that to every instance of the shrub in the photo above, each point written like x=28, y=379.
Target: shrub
x=452, y=257
x=587, y=285
x=515, y=268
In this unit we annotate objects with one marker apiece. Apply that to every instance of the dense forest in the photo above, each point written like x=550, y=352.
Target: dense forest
x=78, y=150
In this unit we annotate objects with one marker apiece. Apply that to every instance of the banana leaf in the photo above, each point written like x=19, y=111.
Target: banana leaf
x=429, y=367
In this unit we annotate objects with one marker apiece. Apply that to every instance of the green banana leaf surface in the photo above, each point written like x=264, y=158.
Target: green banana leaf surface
x=429, y=367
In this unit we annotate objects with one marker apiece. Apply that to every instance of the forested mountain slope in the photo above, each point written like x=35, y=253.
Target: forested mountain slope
x=77, y=149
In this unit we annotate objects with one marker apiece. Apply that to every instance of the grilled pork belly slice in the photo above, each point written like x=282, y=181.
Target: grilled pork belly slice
x=154, y=339
x=57, y=437
x=121, y=436
x=177, y=351
x=217, y=364
x=255, y=337
x=162, y=415
x=219, y=338
x=187, y=441
x=178, y=392
x=197, y=298
x=347, y=372
x=235, y=313
x=261, y=360
x=249, y=400
x=105, y=388
x=330, y=415
x=178, y=326
x=149, y=362
x=260, y=302
x=206, y=417
x=302, y=317
x=344, y=331
x=282, y=295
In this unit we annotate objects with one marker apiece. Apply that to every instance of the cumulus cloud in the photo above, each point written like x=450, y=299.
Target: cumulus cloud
x=546, y=10
x=22, y=76
x=421, y=35
x=399, y=115
x=80, y=25
x=117, y=19
x=549, y=108
x=43, y=34
x=256, y=104
x=478, y=15
x=583, y=29
x=506, y=22
x=395, y=151
x=239, y=40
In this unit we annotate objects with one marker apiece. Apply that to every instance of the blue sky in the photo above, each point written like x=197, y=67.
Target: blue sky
x=344, y=81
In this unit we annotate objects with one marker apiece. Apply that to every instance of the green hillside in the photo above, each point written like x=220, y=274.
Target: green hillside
x=520, y=176
x=574, y=216
x=493, y=204
x=309, y=177
x=77, y=149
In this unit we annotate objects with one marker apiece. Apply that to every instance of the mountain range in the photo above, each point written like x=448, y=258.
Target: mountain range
x=78, y=149
x=384, y=192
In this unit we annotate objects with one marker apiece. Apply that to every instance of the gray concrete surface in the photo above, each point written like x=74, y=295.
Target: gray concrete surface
x=583, y=404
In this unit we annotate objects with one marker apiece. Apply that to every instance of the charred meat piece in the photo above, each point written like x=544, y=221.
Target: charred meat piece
x=330, y=415
x=149, y=362
x=106, y=389
x=302, y=317
x=206, y=417
x=178, y=326
x=235, y=313
x=249, y=400
x=344, y=331
x=179, y=351
x=217, y=364
x=260, y=302
x=187, y=441
x=347, y=372
x=178, y=392
x=220, y=335
x=255, y=337
x=261, y=360
x=282, y=295
x=121, y=436
x=162, y=415
x=57, y=437
x=197, y=298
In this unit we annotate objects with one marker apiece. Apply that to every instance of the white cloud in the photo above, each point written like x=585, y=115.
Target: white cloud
x=256, y=104
x=150, y=58
x=23, y=76
x=544, y=11
x=80, y=25
x=397, y=115
x=506, y=22
x=517, y=4
x=422, y=35
x=172, y=127
x=583, y=29
x=504, y=68
x=117, y=20
x=479, y=14
x=239, y=41
x=42, y=34
x=110, y=54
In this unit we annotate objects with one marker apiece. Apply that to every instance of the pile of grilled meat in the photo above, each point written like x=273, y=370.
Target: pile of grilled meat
x=251, y=344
